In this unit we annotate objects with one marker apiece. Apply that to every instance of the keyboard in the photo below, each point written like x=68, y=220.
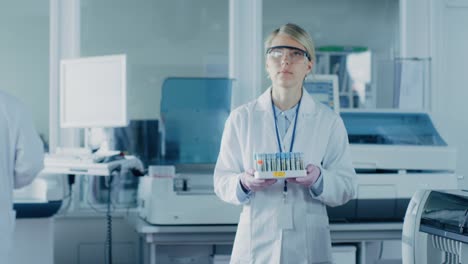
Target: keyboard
x=71, y=158
x=87, y=164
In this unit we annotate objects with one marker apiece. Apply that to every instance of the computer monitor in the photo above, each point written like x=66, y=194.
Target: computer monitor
x=324, y=88
x=140, y=138
x=93, y=92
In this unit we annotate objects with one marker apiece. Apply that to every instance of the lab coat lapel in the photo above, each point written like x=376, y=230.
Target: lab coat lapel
x=287, y=140
x=307, y=113
x=266, y=121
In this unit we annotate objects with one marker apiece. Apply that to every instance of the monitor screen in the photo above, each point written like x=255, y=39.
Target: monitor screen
x=140, y=138
x=93, y=92
x=324, y=88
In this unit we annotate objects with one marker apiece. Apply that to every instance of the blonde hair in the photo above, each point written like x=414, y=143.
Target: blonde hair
x=298, y=34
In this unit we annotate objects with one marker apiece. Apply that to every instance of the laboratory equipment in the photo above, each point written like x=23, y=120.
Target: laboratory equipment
x=352, y=65
x=395, y=153
x=279, y=165
x=324, y=88
x=435, y=229
x=80, y=161
x=187, y=197
x=184, y=199
x=93, y=92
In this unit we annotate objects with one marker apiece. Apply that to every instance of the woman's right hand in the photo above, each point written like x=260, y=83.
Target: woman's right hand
x=249, y=182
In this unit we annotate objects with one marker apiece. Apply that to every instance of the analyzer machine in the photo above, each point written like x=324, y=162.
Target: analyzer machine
x=436, y=228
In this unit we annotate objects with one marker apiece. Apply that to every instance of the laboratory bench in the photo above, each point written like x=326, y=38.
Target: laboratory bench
x=157, y=235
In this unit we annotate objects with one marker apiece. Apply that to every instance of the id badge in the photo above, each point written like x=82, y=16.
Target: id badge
x=285, y=219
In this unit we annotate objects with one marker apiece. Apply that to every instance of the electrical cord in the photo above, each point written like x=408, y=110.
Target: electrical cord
x=109, y=216
x=91, y=196
x=68, y=197
x=381, y=250
x=114, y=173
x=109, y=222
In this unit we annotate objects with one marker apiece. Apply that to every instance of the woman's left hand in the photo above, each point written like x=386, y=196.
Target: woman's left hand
x=313, y=173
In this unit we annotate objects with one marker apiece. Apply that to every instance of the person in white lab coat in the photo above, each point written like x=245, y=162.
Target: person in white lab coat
x=21, y=159
x=285, y=221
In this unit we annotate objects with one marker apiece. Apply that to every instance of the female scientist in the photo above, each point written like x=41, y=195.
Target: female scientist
x=285, y=221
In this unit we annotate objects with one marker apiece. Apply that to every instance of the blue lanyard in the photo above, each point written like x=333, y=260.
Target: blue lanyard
x=294, y=128
x=285, y=188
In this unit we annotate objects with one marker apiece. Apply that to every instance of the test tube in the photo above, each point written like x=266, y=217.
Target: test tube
x=257, y=166
x=291, y=158
x=283, y=161
x=293, y=161
x=301, y=160
x=261, y=162
x=258, y=162
x=270, y=161
x=298, y=160
x=278, y=162
x=288, y=162
x=273, y=162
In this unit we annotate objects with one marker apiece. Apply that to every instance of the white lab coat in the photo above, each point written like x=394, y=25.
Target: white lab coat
x=21, y=159
x=322, y=137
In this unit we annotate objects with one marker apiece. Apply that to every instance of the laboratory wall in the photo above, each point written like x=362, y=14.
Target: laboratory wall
x=24, y=53
x=450, y=91
x=161, y=39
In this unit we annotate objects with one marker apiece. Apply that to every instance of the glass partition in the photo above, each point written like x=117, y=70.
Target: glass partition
x=24, y=49
x=161, y=38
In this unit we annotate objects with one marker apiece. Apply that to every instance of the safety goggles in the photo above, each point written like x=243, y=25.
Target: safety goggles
x=295, y=55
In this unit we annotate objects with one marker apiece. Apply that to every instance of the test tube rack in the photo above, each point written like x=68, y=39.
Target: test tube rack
x=279, y=165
